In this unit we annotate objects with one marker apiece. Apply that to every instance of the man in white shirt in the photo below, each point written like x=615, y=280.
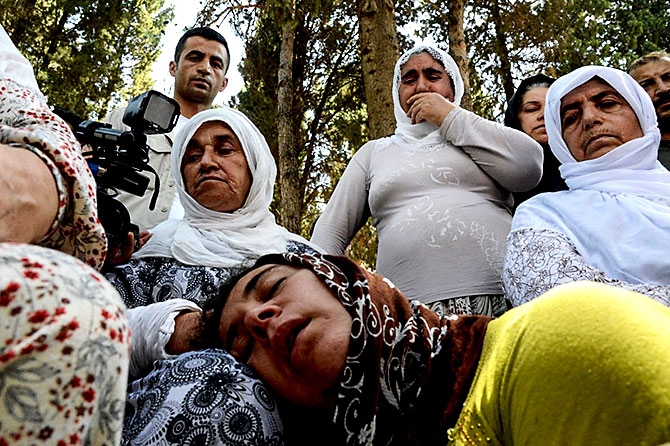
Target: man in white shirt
x=199, y=68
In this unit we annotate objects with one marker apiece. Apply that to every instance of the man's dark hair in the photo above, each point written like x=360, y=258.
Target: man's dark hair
x=206, y=33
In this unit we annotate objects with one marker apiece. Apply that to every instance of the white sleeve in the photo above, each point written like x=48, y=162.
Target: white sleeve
x=151, y=327
x=509, y=156
x=538, y=260
x=13, y=65
x=347, y=210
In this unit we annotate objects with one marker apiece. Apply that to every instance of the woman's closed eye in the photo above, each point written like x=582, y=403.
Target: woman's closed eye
x=264, y=297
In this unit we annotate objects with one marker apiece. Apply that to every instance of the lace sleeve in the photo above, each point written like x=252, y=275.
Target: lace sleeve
x=538, y=260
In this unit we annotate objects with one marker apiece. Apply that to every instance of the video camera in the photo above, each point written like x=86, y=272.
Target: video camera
x=116, y=157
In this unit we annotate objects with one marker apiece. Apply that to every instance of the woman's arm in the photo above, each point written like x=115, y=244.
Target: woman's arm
x=29, y=198
x=57, y=196
x=159, y=330
x=538, y=260
x=510, y=157
x=347, y=210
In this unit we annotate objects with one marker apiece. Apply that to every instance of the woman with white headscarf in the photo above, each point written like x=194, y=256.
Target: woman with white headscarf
x=613, y=224
x=438, y=191
x=204, y=395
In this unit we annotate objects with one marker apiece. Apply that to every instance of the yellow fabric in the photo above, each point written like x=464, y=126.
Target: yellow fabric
x=585, y=364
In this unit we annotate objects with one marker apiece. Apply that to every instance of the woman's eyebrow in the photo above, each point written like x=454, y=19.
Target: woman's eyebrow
x=231, y=333
x=412, y=72
x=253, y=282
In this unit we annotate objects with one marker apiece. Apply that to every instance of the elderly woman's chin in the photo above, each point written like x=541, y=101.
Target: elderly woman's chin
x=217, y=195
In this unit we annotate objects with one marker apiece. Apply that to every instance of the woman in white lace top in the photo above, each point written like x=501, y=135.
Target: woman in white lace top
x=613, y=224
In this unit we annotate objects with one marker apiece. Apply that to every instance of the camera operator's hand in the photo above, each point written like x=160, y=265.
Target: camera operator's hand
x=144, y=238
x=29, y=198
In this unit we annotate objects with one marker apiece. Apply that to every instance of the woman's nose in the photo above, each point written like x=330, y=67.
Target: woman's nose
x=258, y=320
x=590, y=116
x=421, y=84
x=207, y=159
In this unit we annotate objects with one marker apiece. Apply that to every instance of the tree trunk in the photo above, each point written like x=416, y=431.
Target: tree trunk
x=289, y=168
x=501, y=49
x=378, y=45
x=457, y=46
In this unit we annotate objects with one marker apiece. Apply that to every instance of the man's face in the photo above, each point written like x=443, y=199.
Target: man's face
x=654, y=77
x=420, y=74
x=214, y=168
x=596, y=119
x=200, y=71
x=289, y=327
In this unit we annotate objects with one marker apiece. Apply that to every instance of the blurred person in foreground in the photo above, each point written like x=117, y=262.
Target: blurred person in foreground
x=64, y=336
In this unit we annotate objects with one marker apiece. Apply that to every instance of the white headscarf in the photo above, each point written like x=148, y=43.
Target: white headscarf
x=632, y=167
x=223, y=239
x=423, y=133
x=617, y=211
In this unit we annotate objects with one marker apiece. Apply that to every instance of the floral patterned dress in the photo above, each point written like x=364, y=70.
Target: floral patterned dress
x=63, y=331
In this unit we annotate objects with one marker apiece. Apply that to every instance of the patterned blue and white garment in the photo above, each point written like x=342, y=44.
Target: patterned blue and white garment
x=203, y=397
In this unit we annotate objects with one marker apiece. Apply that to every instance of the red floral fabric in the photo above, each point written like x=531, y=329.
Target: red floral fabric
x=26, y=121
x=64, y=351
x=64, y=338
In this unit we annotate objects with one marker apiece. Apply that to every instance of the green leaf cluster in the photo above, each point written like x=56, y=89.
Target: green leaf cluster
x=328, y=108
x=88, y=55
x=511, y=39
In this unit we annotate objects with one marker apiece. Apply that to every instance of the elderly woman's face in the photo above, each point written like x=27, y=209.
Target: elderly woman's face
x=596, y=119
x=214, y=168
x=420, y=74
x=531, y=114
x=289, y=327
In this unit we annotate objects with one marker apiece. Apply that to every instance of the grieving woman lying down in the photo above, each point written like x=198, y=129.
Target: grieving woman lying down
x=329, y=336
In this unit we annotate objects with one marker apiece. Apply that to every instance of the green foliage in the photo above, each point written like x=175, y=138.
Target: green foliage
x=88, y=55
x=327, y=80
x=509, y=40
